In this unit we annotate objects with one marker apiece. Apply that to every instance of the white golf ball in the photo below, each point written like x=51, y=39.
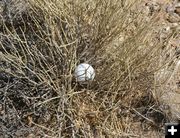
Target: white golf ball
x=84, y=72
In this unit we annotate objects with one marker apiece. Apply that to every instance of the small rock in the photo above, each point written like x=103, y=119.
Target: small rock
x=31, y=136
x=177, y=10
x=170, y=9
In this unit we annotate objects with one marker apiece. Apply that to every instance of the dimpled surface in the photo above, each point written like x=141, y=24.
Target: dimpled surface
x=84, y=72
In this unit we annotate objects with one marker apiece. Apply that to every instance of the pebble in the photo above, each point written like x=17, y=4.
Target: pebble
x=177, y=10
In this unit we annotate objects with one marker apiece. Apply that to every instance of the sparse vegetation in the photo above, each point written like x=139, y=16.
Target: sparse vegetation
x=40, y=48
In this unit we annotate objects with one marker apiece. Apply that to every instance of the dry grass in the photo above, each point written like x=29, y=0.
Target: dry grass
x=43, y=47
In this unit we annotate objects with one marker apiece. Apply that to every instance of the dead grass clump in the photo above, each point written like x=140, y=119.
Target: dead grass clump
x=53, y=37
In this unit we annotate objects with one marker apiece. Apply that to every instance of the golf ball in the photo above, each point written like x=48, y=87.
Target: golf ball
x=84, y=72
